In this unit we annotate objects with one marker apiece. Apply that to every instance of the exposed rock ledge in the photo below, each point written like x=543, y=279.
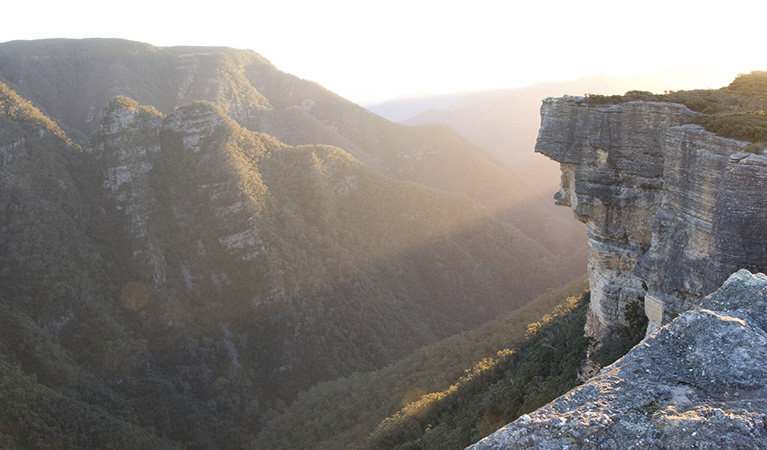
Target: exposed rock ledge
x=671, y=209
x=699, y=382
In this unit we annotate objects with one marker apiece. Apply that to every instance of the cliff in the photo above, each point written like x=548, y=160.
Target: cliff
x=672, y=212
x=671, y=209
x=696, y=383
x=203, y=207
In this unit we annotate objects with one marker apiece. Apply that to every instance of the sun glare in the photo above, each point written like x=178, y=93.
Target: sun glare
x=372, y=53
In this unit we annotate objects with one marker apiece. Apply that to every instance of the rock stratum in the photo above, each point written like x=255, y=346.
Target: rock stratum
x=671, y=209
x=698, y=382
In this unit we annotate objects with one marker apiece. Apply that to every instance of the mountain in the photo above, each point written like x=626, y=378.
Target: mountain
x=64, y=336
x=189, y=238
x=506, y=121
x=72, y=81
x=401, y=109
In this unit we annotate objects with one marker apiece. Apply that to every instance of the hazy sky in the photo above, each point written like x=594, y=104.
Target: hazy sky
x=373, y=51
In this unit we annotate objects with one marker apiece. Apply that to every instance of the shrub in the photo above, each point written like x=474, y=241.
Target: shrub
x=736, y=111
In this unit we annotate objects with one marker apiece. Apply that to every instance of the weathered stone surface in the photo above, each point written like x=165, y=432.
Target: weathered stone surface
x=137, y=148
x=127, y=144
x=612, y=177
x=712, y=220
x=671, y=209
x=698, y=382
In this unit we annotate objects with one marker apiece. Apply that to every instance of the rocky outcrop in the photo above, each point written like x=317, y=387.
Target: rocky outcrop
x=671, y=209
x=126, y=147
x=698, y=382
x=158, y=223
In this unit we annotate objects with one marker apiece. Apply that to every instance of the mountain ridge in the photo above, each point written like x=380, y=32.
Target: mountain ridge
x=73, y=80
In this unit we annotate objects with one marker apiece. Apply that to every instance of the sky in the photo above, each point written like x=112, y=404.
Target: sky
x=370, y=52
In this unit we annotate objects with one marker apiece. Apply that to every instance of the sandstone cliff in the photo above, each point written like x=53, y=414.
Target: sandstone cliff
x=672, y=212
x=696, y=383
x=671, y=209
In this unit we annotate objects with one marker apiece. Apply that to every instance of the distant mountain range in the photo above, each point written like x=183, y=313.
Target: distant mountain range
x=506, y=121
x=190, y=237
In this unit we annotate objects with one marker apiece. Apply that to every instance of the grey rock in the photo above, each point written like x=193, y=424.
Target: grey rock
x=711, y=222
x=698, y=382
x=671, y=209
x=671, y=212
x=127, y=145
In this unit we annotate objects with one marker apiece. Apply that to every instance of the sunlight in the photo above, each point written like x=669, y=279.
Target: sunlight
x=371, y=54
x=254, y=260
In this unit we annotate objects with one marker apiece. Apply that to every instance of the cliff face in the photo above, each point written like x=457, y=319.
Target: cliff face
x=697, y=383
x=711, y=221
x=671, y=209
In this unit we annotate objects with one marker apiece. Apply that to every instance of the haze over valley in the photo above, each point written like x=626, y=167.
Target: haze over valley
x=162, y=248
x=325, y=225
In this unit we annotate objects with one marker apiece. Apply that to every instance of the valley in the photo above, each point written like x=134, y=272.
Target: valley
x=198, y=250
x=190, y=233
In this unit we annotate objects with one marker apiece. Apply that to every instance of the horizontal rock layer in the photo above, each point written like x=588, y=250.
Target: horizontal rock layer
x=671, y=209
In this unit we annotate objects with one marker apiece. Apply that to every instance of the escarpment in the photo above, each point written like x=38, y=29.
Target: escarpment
x=671, y=209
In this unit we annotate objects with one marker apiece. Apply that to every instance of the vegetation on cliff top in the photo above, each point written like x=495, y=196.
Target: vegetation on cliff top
x=20, y=110
x=735, y=111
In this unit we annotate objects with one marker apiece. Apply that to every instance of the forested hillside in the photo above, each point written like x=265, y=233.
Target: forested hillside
x=346, y=413
x=73, y=80
x=171, y=272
